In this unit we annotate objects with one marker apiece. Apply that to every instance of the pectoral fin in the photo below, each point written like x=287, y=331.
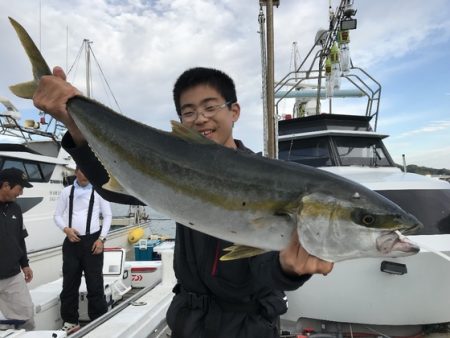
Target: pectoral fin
x=114, y=186
x=240, y=251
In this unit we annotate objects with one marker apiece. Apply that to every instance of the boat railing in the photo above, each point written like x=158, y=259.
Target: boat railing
x=295, y=73
x=311, y=74
x=372, y=92
x=9, y=126
x=325, y=39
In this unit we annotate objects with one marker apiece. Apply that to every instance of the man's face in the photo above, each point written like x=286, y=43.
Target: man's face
x=81, y=179
x=218, y=127
x=11, y=194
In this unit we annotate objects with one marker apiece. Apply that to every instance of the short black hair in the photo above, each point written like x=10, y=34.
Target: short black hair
x=214, y=78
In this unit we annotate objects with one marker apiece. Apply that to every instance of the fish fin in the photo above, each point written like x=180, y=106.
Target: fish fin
x=38, y=63
x=24, y=90
x=269, y=221
x=114, y=186
x=240, y=251
x=188, y=134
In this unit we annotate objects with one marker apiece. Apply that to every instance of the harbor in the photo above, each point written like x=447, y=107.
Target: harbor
x=308, y=124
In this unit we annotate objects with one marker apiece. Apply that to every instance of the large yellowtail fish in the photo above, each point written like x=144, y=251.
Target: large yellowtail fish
x=242, y=198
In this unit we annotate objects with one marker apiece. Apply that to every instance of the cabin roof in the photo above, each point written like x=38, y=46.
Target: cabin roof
x=322, y=122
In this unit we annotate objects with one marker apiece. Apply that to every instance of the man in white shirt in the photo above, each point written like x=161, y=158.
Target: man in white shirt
x=78, y=216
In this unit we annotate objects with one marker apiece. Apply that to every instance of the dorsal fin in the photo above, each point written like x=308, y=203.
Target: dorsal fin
x=188, y=134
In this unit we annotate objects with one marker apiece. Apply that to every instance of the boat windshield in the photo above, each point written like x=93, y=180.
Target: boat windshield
x=317, y=151
x=361, y=152
x=314, y=152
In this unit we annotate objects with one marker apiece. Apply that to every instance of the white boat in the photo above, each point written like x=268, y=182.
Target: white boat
x=388, y=295
x=138, y=294
x=38, y=153
x=396, y=293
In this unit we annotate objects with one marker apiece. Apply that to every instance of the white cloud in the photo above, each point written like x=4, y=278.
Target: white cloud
x=434, y=158
x=143, y=46
x=432, y=127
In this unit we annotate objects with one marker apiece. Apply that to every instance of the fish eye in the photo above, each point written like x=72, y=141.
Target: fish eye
x=363, y=217
x=368, y=219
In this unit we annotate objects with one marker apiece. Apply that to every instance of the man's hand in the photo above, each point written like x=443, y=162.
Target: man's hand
x=52, y=95
x=28, y=273
x=72, y=234
x=295, y=260
x=97, y=247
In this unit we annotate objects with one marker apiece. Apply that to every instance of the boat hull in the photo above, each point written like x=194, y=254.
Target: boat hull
x=357, y=291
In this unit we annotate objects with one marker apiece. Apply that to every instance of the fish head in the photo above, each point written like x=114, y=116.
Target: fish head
x=337, y=227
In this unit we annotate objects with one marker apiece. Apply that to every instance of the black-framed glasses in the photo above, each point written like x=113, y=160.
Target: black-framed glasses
x=190, y=114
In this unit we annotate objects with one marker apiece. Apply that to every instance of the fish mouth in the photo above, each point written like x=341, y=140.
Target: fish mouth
x=390, y=242
x=415, y=224
x=413, y=229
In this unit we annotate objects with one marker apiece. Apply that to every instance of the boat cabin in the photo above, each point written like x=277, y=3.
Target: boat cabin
x=332, y=140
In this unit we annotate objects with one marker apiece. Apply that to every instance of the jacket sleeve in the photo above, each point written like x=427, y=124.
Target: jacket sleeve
x=267, y=269
x=94, y=171
x=23, y=233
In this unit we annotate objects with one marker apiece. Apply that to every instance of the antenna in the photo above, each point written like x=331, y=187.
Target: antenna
x=67, y=47
x=40, y=24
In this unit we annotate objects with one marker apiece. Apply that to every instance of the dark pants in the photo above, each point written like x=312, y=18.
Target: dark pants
x=78, y=257
x=202, y=316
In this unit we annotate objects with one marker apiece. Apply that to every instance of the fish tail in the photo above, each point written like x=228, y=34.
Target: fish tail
x=40, y=67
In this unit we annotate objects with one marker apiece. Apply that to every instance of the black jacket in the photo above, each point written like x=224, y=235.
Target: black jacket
x=240, y=298
x=13, y=252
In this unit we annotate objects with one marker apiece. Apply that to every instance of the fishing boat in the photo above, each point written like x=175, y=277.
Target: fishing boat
x=400, y=296
x=37, y=152
x=35, y=148
x=138, y=294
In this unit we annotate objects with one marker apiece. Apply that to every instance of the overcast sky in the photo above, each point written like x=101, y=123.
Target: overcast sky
x=142, y=46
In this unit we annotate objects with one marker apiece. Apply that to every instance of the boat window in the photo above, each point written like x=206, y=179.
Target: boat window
x=361, y=151
x=33, y=172
x=33, y=169
x=47, y=170
x=313, y=152
x=13, y=164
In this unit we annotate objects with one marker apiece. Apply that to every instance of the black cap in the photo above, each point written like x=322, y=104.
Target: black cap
x=15, y=176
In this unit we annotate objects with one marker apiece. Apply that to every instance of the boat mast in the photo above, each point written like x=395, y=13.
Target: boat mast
x=89, y=57
x=87, y=49
x=262, y=33
x=270, y=146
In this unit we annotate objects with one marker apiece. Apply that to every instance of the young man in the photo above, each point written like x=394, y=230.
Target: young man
x=15, y=298
x=241, y=298
x=77, y=214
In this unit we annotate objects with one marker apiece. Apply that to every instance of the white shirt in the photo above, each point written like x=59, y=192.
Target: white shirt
x=81, y=198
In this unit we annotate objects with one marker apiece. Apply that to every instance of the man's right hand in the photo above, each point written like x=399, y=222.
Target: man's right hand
x=72, y=234
x=52, y=95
